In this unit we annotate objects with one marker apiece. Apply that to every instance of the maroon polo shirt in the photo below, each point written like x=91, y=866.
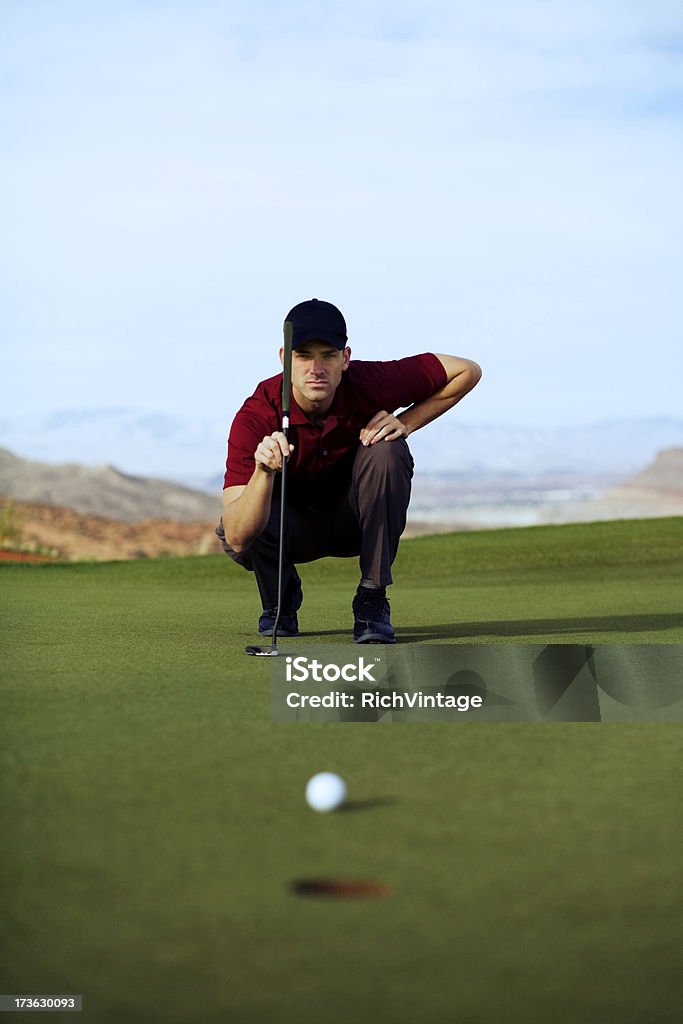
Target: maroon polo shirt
x=320, y=463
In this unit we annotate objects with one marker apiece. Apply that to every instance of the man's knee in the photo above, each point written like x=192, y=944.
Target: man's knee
x=388, y=456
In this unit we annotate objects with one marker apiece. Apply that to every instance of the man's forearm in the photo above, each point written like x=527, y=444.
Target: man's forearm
x=247, y=516
x=423, y=413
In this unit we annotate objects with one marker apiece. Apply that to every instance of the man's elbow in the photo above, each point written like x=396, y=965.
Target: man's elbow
x=235, y=541
x=461, y=374
x=238, y=545
x=239, y=539
x=474, y=372
x=469, y=376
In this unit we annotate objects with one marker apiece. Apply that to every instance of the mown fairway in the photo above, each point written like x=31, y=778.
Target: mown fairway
x=153, y=816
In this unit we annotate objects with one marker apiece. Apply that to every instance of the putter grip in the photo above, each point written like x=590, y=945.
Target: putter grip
x=287, y=370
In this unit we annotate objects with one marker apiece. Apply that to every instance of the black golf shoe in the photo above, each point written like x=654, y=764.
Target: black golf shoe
x=289, y=622
x=371, y=618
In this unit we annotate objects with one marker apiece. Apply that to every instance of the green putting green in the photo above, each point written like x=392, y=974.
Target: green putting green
x=154, y=821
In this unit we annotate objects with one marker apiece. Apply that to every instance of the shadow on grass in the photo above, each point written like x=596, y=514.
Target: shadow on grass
x=367, y=805
x=586, y=626
x=542, y=627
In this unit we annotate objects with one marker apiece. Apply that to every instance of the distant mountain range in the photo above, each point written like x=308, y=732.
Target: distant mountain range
x=192, y=451
x=510, y=500
x=439, y=502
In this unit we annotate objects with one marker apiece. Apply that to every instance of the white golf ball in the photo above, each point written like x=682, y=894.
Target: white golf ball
x=325, y=792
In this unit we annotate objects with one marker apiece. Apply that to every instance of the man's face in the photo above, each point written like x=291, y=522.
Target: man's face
x=316, y=372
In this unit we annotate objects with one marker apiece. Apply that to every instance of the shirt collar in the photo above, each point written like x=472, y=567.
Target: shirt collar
x=343, y=405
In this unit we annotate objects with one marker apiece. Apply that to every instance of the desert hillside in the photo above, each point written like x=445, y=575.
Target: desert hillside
x=656, y=491
x=103, y=514
x=53, y=531
x=662, y=477
x=103, y=491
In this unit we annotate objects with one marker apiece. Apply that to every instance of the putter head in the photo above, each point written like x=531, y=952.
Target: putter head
x=262, y=652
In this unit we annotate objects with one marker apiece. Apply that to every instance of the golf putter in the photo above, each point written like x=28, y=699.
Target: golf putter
x=272, y=651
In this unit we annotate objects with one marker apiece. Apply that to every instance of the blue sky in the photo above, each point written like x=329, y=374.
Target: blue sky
x=500, y=182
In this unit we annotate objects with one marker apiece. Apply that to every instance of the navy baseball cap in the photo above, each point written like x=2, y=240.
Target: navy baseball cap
x=315, y=320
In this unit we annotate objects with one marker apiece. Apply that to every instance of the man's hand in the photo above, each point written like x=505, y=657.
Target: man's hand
x=271, y=451
x=383, y=426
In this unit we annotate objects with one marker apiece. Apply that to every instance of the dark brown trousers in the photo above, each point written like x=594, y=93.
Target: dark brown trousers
x=366, y=518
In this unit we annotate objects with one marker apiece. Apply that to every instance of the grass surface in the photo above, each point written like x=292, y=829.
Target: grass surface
x=154, y=816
